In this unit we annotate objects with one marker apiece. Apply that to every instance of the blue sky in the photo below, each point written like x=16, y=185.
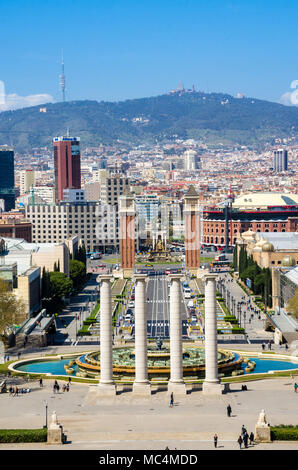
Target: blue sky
x=120, y=49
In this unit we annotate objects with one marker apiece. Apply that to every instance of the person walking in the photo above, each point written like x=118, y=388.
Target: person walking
x=240, y=440
x=243, y=430
x=215, y=438
x=54, y=388
x=251, y=438
x=295, y=387
x=171, y=400
x=40, y=382
x=245, y=440
x=16, y=391
x=229, y=410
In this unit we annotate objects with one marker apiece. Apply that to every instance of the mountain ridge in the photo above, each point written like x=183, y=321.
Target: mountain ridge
x=209, y=117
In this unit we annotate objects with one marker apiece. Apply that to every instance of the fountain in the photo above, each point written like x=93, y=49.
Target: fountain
x=158, y=362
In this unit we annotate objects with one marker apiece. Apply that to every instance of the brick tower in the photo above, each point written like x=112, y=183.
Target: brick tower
x=192, y=230
x=127, y=233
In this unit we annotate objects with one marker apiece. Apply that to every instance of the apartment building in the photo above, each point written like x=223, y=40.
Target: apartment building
x=95, y=224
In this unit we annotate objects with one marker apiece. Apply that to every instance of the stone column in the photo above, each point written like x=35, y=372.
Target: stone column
x=211, y=384
x=106, y=384
x=141, y=384
x=176, y=383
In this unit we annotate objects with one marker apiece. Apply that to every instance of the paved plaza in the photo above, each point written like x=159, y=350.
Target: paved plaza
x=127, y=422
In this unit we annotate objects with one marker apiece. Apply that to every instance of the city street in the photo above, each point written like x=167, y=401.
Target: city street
x=158, y=307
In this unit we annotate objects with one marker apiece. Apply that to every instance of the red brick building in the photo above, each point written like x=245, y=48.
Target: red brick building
x=67, y=165
x=274, y=219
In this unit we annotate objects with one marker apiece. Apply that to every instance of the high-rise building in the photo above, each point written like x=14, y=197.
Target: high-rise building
x=27, y=180
x=7, y=191
x=191, y=160
x=280, y=160
x=94, y=223
x=112, y=187
x=67, y=164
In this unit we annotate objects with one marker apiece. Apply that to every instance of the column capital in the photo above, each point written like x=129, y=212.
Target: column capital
x=104, y=277
x=175, y=277
x=210, y=276
x=140, y=277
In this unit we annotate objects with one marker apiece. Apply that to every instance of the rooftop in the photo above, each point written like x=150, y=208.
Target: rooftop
x=265, y=199
x=281, y=240
x=292, y=275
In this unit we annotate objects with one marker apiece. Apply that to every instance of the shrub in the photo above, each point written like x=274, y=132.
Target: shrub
x=284, y=433
x=23, y=435
x=237, y=330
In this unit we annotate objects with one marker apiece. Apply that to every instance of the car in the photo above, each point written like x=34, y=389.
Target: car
x=187, y=295
x=129, y=311
x=149, y=265
x=132, y=297
x=131, y=304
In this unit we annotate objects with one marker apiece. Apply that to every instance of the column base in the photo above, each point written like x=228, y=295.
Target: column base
x=127, y=273
x=212, y=388
x=262, y=434
x=106, y=389
x=141, y=388
x=177, y=388
x=193, y=271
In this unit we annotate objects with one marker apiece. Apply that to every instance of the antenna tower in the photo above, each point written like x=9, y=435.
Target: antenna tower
x=62, y=79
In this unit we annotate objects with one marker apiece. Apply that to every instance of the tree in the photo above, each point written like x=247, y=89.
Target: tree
x=81, y=254
x=293, y=304
x=77, y=272
x=11, y=309
x=45, y=284
x=61, y=285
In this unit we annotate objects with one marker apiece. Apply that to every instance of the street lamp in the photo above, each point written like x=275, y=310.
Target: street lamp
x=46, y=405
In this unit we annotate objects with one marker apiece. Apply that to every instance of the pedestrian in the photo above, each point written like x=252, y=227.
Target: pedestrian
x=7, y=357
x=263, y=346
x=240, y=440
x=40, y=382
x=54, y=388
x=295, y=386
x=19, y=355
x=251, y=438
x=269, y=346
x=57, y=388
x=243, y=430
x=16, y=391
x=215, y=438
x=171, y=400
x=229, y=410
x=69, y=380
x=63, y=388
x=245, y=440
x=67, y=387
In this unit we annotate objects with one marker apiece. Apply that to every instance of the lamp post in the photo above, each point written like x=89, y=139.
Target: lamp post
x=46, y=406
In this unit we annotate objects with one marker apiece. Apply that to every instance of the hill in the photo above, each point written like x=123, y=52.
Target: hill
x=212, y=117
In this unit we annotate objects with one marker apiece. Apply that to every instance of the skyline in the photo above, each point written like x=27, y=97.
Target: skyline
x=115, y=51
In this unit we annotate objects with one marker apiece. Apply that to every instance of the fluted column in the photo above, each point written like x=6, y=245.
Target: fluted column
x=176, y=383
x=141, y=384
x=211, y=383
x=106, y=383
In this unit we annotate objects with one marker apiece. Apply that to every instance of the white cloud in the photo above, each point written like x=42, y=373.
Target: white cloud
x=14, y=101
x=286, y=99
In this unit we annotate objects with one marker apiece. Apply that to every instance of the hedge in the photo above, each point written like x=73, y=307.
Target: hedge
x=23, y=435
x=284, y=433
